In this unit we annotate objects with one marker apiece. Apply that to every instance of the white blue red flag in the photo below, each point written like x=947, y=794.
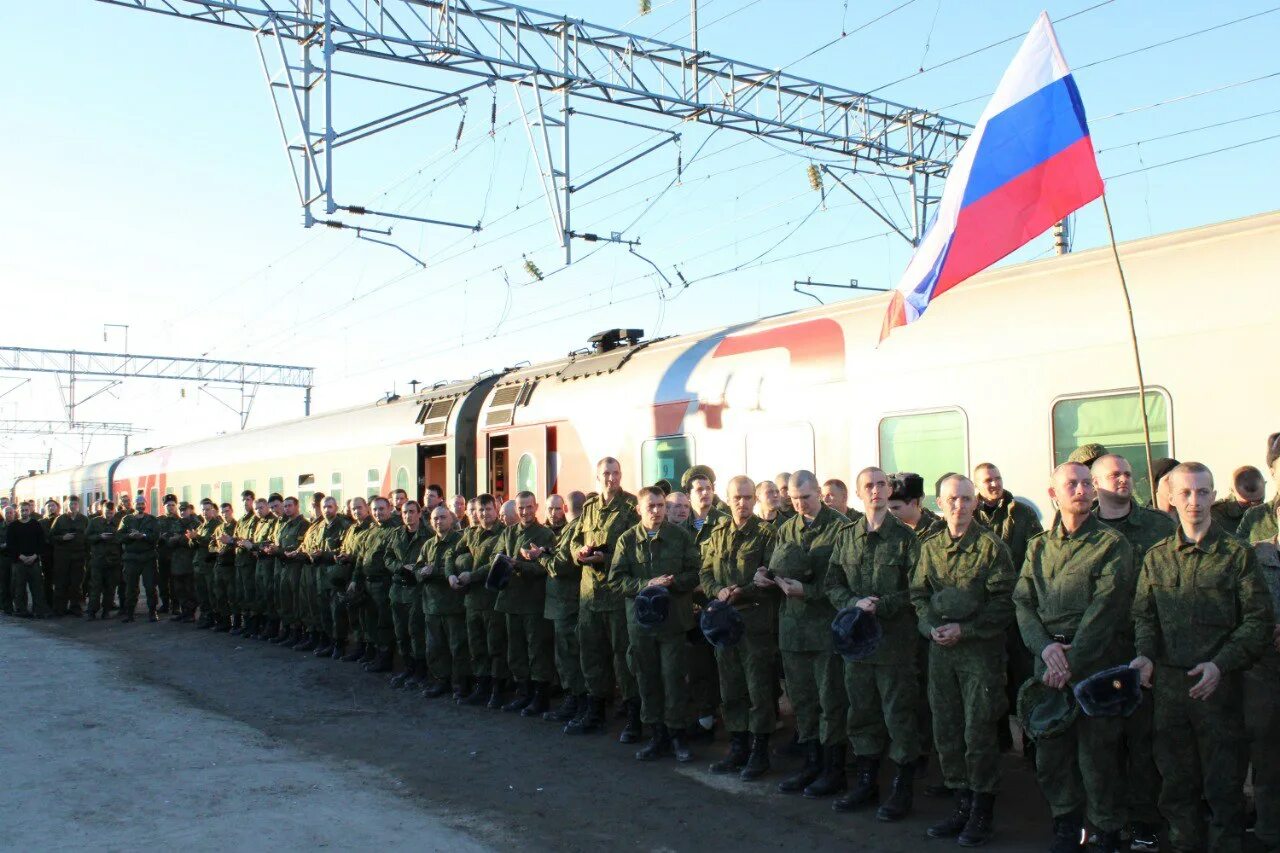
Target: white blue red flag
x=1028, y=163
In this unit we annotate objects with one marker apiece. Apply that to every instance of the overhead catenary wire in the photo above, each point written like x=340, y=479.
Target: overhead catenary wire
x=1185, y=131
x=1196, y=156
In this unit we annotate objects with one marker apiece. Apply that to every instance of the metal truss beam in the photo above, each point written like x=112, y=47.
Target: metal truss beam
x=28, y=427
x=501, y=41
x=118, y=366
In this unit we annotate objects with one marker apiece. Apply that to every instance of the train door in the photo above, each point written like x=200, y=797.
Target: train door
x=498, y=475
x=433, y=468
x=519, y=461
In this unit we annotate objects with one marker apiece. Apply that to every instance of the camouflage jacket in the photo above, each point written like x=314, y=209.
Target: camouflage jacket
x=440, y=553
x=600, y=526
x=478, y=544
x=526, y=592
x=978, y=565
x=878, y=563
x=638, y=558
x=731, y=556
x=564, y=576
x=1012, y=521
x=1259, y=522
x=804, y=622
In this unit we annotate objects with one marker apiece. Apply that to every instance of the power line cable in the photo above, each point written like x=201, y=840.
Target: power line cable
x=1192, y=157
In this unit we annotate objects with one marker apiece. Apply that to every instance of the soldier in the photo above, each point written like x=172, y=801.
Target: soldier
x=266, y=617
x=1072, y=600
x=398, y=499
x=444, y=610
x=961, y=590
x=557, y=514
x=486, y=630
x=344, y=615
x=530, y=545
x=507, y=514
x=1248, y=489
x=286, y=544
x=905, y=502
x=1259, y=523
x=138, y=533
x=782, y=482
x=1202, y=616
x=222, y=581
x=871, y=569
x=1160, y=469
x=169, y=525
x=602, y=621
x=67, y=535
x=203, y=539
x=734, y=554
x=809, y=663
x=1142, y=528
x=307, y=605
x=245, y=564
x=182, y=556
x=657, y=554
x=461, y=513
x=564, y=579
x=707, y=514
x=678, y=508
x=835, y=494
x=434, y=497
x=24, y=540
x=322, y=550
x=400, y=559
x=7, y=517
x=371, y=576
x=1262, y=710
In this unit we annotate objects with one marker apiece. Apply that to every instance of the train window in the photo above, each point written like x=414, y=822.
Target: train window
x=666, y=458
x=402, y=478
x=1114, y=421
x=306, y=479
x=153, y=503
x=206, y=492
x=276, y=486
x=527, y=474
x=226, y=492
x=929, y=444
x=335, y=488
x=374, y=483
x=186, y=494
x=251, y=486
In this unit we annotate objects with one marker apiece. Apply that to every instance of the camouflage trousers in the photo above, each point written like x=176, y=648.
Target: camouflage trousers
x=882, y=709
x=407, y=622
x=222, y=589
x=1201, y=750
x=603, y=643
x=967, y=698
x=307, y=607
x=375, y=613
x=748, y=683
x=288, y=582
x=203, y=575
x=447, y=651
x=264, y=586
x=246, y=585
x=487, y=643
x=1141, y=778
x=183, y=590
x=68, y=574
x=661, y=669
x=814, y=685
x=568, y=654
x=530, y=643
x=1081, y=771
x=164, y=577
x=139, y=570
x=104, y=577
x=1262, y=724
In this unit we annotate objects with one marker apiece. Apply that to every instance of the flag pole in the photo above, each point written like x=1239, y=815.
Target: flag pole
x=1133, y=339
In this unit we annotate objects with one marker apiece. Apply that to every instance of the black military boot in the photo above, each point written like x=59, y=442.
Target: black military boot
x=299, y=637
x=898, y=805
x=569, y=708
x=381, y=661
x=89, y=616
x=1067, y=831
x=1108, y=842
x=832, y=780
x=163, y=608
x=206, y=621
x=189, y=617
x=176, y=615
x=680, y=745
x=439, y=687
x=758, y=760
x=495, y=695
x=480, y=693
x=539, y=703
x=981, y=824
x=955, y=822
x=866, y=787
x=339, y=650
x=325, y=647
x=657, y=746
x=418, y=675
x=236, y=628
x=283, y=635
x=811, y=769
x=355, y=655
x=151, y=615
x=312, y=641
x=589, y=719
x=634, y=729
x=128, y=617
x=524, y=695
x=221, y=623
x=398, y=680
x=1144, y=836
x=736, y=758
x=461, y=687
x=370, y=653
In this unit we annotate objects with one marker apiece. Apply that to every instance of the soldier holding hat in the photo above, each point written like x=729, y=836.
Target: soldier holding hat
x=1072, y=600
x=170, y=530
x=486, y=630
x=732, y=556
x=530, y=642
x=871, y=569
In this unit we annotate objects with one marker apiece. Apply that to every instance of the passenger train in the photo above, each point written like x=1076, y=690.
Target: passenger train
x=1018, y=366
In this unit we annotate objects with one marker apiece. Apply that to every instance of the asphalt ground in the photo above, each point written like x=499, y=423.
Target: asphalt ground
x=127, y=735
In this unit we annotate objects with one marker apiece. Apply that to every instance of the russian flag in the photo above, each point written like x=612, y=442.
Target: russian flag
x=1028, y=163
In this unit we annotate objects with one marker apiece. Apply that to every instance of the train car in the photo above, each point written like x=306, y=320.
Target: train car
x=1018, y=366
x=88, y=482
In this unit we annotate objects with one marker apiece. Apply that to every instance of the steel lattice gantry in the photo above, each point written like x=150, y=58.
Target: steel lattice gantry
x=503, y=42
x=33, y=427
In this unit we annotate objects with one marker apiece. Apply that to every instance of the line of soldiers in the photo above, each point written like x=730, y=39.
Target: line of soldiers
x=897, y=633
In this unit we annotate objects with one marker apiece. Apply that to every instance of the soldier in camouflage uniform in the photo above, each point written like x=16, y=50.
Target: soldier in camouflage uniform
x=962, y=590
x=347, y=630
x=323, y=546
x=564, y=580
x=530, y=656
x=308, y=595
x=835, y=494
x=732, y=557
x=170, y=525
x=372, y=577
x=400, y=558
x=707, y=514
x=1259, y=523
x=222, y=582
x=655, y=553
x=812, y=670
x=182, y=556
x=67, y=535
x=1142, y=528
x=1202, y=616
x=137, y=534
x=104, y=560
x=871, y=569
x=1072, y=601
x=1262, y=710
x=1248, y=488
x=266, y=616
x=602, y=621
x=287, y=542
x=206, y=546
x=444, y=647
x=486, y=630
x=245, y=565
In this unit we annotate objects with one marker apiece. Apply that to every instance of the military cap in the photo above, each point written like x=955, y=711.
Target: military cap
x=1114, y=692
x=907, y=487
x=1045, y=712
x=788, y=560
x=953, y=604
x=855, y=633
x=653, y=603
x=722, y=624
x=171, y=499
x=663, y=485
x=1273, y=448
x=1161, y=467
x=500, y=572
x=1087, y=454
x=696, y=471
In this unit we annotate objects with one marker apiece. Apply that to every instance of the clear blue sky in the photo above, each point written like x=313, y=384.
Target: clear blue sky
x=146, y=185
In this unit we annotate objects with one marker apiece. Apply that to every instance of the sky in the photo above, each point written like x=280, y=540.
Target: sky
x=148, y=187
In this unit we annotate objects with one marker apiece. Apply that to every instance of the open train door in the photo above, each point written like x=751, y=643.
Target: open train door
x=519, y=461
x=433, y=469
